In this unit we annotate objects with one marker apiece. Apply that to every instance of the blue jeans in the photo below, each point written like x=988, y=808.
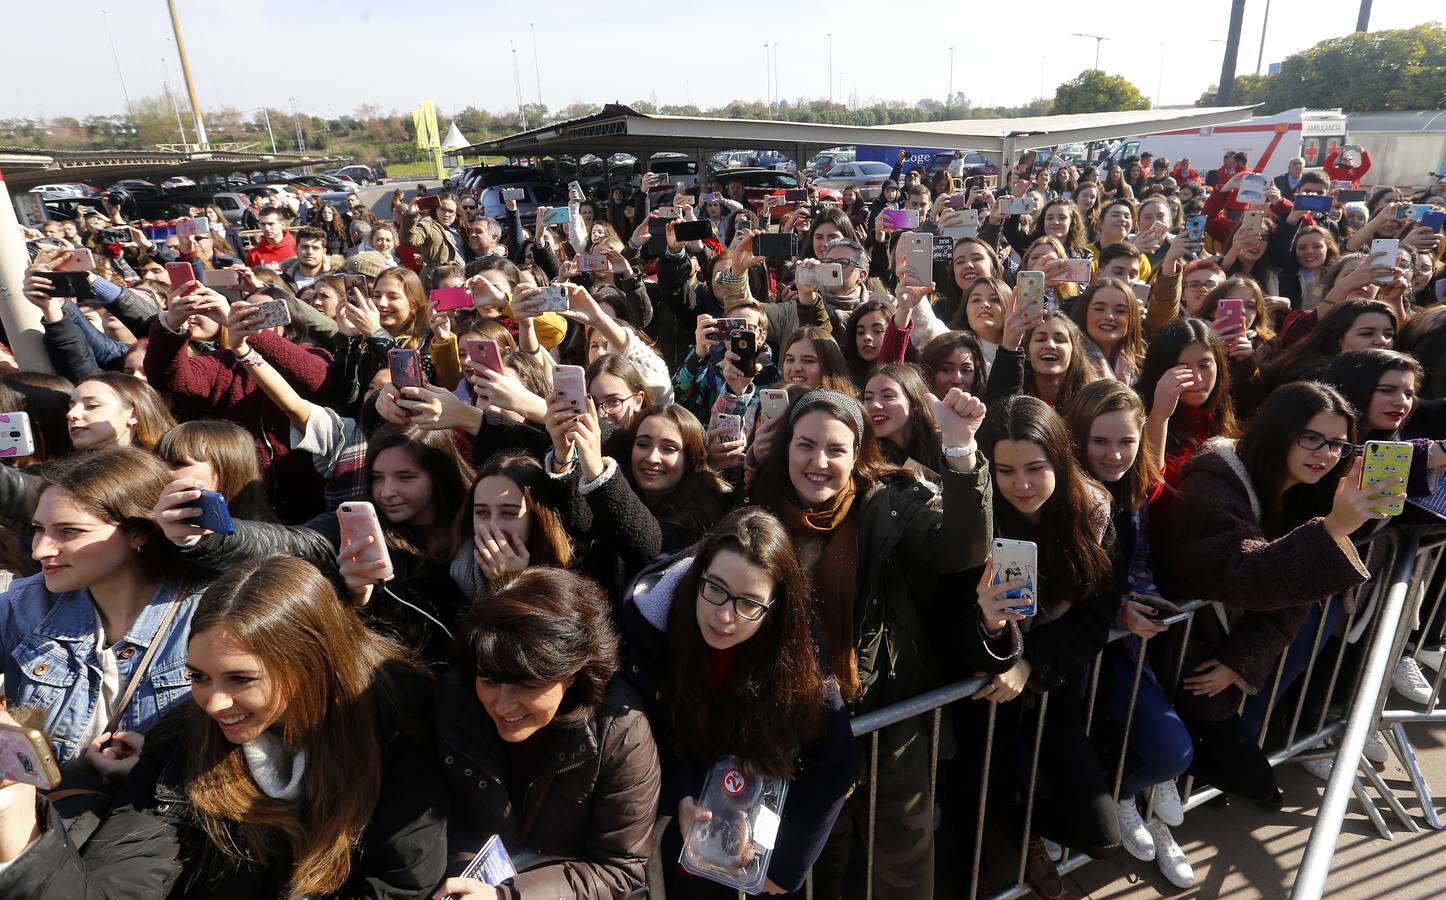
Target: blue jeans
x=1160, y=748
x=1297, y=657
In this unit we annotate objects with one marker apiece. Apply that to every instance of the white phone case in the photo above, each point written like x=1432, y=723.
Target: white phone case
x=1015, y=560
x=16, y=438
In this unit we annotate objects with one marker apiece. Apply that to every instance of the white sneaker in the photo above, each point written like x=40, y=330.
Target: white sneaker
x=1409, y=682
x=1172, y=860
x=1054, y=851
x=1133, y=832
x=1320, y=768
x=1431, y=658
x=1375, y=749
x=1167, y=803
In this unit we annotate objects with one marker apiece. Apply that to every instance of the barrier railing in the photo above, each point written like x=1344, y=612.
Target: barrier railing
x=1399, y=568
x=1412, y=578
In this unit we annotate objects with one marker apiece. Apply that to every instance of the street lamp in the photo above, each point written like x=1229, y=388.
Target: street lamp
x=1098, y=39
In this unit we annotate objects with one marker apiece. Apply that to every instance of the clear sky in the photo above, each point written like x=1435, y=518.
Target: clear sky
x=333, y=55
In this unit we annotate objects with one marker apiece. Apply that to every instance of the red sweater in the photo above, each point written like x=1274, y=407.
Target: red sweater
x=272, y=255
x=1353, y=174
x=216, y=386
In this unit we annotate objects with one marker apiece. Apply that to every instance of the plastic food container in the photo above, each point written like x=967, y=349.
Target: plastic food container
x=734, y=846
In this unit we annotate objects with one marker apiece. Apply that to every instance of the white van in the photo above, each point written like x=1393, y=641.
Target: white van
x=1270, y=142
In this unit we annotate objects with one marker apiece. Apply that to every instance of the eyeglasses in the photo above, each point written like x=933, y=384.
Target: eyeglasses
x=1314, y=440
x=469, y=207
x=612, y=405
x=846, y=263
x=716, y=594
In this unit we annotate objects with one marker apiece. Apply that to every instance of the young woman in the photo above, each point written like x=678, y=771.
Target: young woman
x=543, y=746
x=1037, y=258
x=394, y=317
x=1107, y=421
x=864, y=337
x=1185, y=386
x=954, y=359
x=1384, y=386
x=618, y=389
x=114, y=410
x=1109, y=315
x=1352, y=325
x=1042, y=495
x=1247, y=255
x=107, y=614
x=813, y=359
x=868, y=535
x=1245, y=344
x=45, y=398
x=896, y=401
x=719, y=639
x=1279, y=507
x=1116, y=220
x=1061, y=220
x=513, y=521
x=1056, y=363
x=971, y=260
x=1087, y=201
x=415, y=481
x=304, y=766
x=985, y=301
x=222, y=457
x=1302, y=256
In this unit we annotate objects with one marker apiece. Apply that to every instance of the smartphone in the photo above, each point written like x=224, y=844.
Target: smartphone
x=16, y=438
x=773, y=403
x=406, y=366
x=710, y=197
x=958, y=201
x=491, y=866
x=919, y=255
x=744, y=343
x=829, y=275
x=1195, y=228
x=115, y=236
x=1252, y=189
x=274, y=312
x=25, y=757
x=1030, y=293
x=444, y=299
x=1350, y=196
x=1434, y=220
x=1142, y=292
x=796, y=195
x=1172, y=620
x=78, y=260
x=725, y=326
x=553, y=297
x=1017, y=561
x=429, y=202
x=1344, y=186
x=215, y=515
x=220, y=278
x=693, y=231
x=575, y=190
x=593, y=262
x=728, y=427
x=1253, y=220
x=569, y=383
x=1387, y=459
x=1392, y=250
x=1078, y=271
x=180, y=274
x=485, y=354
x=560, y=215
x=780, y=246
x=969, y=218
x=1229, y=314
x=667, y=212
x=355, y=283
x=899, y=219
x=1016, y=206
x=1415, y=211
x=1315, y=203
x=70, y=284
x=185, y=228
x=358, y=520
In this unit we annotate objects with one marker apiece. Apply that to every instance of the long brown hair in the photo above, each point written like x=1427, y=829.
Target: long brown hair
x=1131, y=346
x=776, y=697
x=1072, y=563
x=327, y=667
x=833, y=369
x=1094, y=400
x=152, y=417
x=436, y=454
x=698, y=500
x=415, y=330
x=1163, y=355
x=231, y=452
x=1224, y=289
x=548, y=543
x=1077, y=374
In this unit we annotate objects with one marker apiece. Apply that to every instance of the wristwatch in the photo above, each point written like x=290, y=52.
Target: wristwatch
x=961, y=451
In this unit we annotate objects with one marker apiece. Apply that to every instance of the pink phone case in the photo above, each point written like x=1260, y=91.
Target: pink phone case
x=357, y=520
x=1229, y=313
x=484, y=353
x=406, y=368
x=568, y=382
x=446, y=299
x=180, y=274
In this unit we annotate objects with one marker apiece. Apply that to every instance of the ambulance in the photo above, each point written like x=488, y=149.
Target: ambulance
x=1270, y=142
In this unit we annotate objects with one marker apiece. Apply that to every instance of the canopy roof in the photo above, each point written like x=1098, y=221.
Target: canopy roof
x=26, y=167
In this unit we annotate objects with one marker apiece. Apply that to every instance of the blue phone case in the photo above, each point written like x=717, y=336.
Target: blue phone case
x=215, y=515
x=1434, y=220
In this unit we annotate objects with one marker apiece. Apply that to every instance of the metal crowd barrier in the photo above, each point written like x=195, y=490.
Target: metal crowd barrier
x=1400, y=566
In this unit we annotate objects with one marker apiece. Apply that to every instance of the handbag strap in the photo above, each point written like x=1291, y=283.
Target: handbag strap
x=145, y=663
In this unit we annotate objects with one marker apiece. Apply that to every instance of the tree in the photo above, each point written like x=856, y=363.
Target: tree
x=1249, y=89
x=1094, y=91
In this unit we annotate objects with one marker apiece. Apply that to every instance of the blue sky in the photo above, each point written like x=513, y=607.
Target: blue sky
x=333, y=56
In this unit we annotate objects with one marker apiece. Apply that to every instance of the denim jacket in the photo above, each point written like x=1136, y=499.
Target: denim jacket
x=50, y=664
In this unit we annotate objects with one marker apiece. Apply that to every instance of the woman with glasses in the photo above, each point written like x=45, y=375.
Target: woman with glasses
x=1278, y=508
x=721, y=651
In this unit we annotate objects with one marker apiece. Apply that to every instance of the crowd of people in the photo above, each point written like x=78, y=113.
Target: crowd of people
x=320, y=578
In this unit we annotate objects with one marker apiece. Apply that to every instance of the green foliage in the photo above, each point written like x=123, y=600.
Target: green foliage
x=1362, y=72
x=1094, y=91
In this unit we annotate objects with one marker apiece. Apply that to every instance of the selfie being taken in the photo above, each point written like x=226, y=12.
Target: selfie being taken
x=764, y=470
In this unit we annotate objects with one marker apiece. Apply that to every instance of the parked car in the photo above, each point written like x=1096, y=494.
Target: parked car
x=177, y=182
x=537, y=191
x=479, y=178
x=74, y=207
x=757, y=178
x=772, y=159
x=824, y=162
x=56, y=191
x=676, y=166
x=137, y=187
x=359, y=174
x=866, y=177
x=180, y=203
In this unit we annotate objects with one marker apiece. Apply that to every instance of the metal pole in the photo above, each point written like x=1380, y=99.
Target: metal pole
x=105, y=18
x=267, y=114
x=296, y=120
x=949, y=97
x=830, y=68
x=517, y=83
x=176, y=107
x=1232, y=50
x=19, y=316
x=190, y=82
x=1363, y=23
x=1315, y=867
x=1264, y=24
x=536, y=70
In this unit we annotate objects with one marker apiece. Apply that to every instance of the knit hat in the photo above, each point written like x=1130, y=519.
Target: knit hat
x=836, y=400
x=370, y=263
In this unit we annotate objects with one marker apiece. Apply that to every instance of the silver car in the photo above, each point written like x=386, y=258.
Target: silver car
x=534, y=194
x=866, y=177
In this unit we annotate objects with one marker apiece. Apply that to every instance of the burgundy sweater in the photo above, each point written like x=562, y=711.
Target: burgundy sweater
x=217, y=386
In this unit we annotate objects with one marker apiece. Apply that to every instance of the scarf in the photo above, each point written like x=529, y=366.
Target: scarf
x=275, y=769
x=834, y=570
